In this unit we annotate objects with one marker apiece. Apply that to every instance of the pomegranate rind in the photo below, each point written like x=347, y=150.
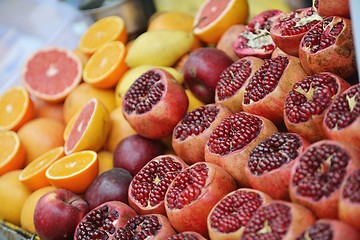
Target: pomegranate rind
x=215, y=234
x=193, y=217
x=48, y=74
x=333, y=8
x=191, y=150
x=160, y=121
x=326, y=207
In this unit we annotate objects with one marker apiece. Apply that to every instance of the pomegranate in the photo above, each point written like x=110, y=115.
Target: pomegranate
x=342, y=119
x=328, y=47
x=192, y=132
x=255, y=40
x=231, y=85
x=288, y=28
x=103, y=221
x=318, y=174
x=266, y=91
x=193, y=193
x=228, y=38
x=147, y=189
x=229, y=216
x=231, y=142
x=278, y=220
x=278, y=52
x=349, y=201
x=332, y=7
x=150, y=227
x=154, y=104
x=189, y=235
x=329, y=229
x=270, y=162
x=306, y=103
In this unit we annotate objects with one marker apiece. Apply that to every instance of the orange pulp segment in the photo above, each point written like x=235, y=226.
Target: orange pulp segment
x=12, y=152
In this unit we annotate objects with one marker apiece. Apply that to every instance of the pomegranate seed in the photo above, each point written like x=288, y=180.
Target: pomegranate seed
x=352, y=187
x=318, y=231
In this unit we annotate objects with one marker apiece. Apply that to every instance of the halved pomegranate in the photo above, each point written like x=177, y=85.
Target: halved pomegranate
x=266, y=91
x=229, y=216
x=328, y=47
x=154, y=104
x=192, y=132
x=148, y=187
x=270, y=162
x=306, y=103
x=342, y=119
x=349, y=202
x=317, y=176
x=230, y=144
x=255, y=40
x=288, y=28
x=103, y=221
x=329, y=229
x=193, y=193
x=332, y=7
x=278, y=220
x=188, y=235
x=231, y=85
x=150, y=227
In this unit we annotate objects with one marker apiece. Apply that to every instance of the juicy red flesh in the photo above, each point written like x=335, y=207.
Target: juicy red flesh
x=234, y=133
x=183, y=236
x=345, y=109
x=233, y=78
x=317, y=231
x=321, y=171
x=196, y=121
x=269, y=222
x=352, y=187
x=322, y=35
x=139, y=227
x=273, y=152
x=266, y=79
x=145, y=92
x=309, y=97
x=234, y=211
x=298, y=21
x=150, y=184
x=99, y=223
x=186, y=187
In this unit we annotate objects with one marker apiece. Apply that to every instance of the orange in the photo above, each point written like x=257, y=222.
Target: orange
x=172, y=20
x=120, y=129
x=49, y=110
x=33, y=175
x=104, y=30
x=214, y=17
x=82, y=94
x=16, y=108
x=13, y=194
x=12, y=152
x=106, y=65
x=74, y=172
x=105, y=161
x=40, y=135
x=82, y=56
x=28, y=209
x=90, y=128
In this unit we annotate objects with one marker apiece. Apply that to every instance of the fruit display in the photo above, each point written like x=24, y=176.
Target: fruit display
x=215, y=124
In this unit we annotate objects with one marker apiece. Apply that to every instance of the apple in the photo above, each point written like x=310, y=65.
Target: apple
x=57, y=214
x=202, y=71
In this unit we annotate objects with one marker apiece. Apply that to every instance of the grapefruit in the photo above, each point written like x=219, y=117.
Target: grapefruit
x=51, y=73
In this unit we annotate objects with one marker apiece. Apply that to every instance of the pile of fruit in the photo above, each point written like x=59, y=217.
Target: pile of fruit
x=213, y=126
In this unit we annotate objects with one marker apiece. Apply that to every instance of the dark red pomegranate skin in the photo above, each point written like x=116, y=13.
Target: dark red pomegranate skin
x=318, y=174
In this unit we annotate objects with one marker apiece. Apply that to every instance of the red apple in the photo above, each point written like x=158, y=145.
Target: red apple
x=202, y=71
x=57, y=214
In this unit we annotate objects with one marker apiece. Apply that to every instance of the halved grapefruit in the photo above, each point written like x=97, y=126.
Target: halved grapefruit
x=214, y=17
x=51, y=73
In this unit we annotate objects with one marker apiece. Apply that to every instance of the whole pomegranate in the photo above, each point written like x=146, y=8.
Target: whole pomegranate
x=328, y=47
x=332, y=7
x=154, y=104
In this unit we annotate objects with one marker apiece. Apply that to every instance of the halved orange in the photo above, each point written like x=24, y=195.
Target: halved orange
x=214, y=17
x=106, y=65
x=104, y=30
x=12, y=152
x=33, y=175
x=74, y=172
x=16, y=108
x=89, y=129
